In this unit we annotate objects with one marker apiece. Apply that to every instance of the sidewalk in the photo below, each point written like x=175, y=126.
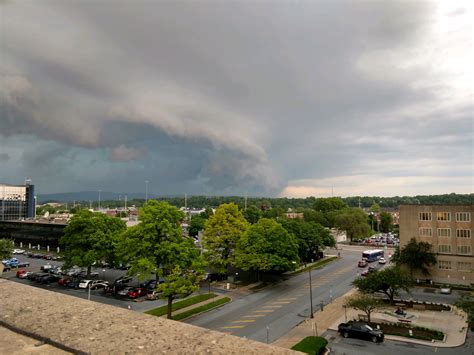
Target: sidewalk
x=453, y=324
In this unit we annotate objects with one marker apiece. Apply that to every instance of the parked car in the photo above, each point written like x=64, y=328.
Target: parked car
x=362, y=263
x=122, y=280
x=137, y=292
x=63, y=281
x=150, y=284
x=47, y=257
x=23, y=264
x=46, y=267
x=73, y=283
x=96, y=284
x=360, y=330
x=25, y=275
x=372, y=269
x=75, y=271
x=445, y=290
x=18, y=251
x=364, y=273
x=20, y=272
x=382, y=261
x=125, y=291
x=84, y=283
x=48, y=279
x=152, y=295
x=210, y=277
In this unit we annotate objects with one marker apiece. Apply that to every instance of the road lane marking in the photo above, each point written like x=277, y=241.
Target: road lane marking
x=233, y=327
x=287, y=299
x=264, y=310
x=273, y=306
x=244, y=321
x=254, y=315
x=280, y=302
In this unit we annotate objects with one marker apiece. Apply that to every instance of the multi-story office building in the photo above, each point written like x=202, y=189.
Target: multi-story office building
x=448, y=228
x=17, y=202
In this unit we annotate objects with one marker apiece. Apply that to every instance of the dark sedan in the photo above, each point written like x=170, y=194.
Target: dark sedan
x=360, y=330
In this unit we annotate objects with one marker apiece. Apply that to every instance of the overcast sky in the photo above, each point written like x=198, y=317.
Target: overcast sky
x=273, y=98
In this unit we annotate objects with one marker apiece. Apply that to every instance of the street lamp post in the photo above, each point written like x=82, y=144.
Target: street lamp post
x=310, y=294
x=99, y=200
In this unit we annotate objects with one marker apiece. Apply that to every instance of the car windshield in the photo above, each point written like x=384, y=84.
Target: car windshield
x=369, y=327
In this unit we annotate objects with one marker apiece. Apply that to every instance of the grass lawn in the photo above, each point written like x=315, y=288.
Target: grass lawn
x=311, y=345
x=160, y=311
x=202, y=308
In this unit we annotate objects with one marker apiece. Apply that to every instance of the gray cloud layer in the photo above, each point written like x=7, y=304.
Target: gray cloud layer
x=271, y=98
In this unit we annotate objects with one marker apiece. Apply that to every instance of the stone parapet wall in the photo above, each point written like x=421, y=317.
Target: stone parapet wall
x=91, y=327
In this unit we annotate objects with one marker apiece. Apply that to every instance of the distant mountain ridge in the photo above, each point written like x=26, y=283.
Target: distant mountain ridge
x=90, y=196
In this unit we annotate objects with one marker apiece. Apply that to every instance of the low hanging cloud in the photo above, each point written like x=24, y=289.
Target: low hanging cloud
x=234, y=97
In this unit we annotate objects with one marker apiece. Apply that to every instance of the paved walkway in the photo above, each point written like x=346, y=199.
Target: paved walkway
x=453, y=324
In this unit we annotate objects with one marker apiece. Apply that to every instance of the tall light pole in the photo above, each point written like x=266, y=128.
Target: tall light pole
x=146, y=191
x=310, y=292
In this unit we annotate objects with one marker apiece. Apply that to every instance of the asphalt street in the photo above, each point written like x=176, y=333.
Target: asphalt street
x=272, y=312
x=340, y=346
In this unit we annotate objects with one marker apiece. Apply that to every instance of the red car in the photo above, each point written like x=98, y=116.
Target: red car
x=63, y=281
x=137, y=292
x=362, y=263
x=20, y=272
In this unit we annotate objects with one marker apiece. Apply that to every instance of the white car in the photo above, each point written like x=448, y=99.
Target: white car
x=382, y=261
x=18, y=251
x=84, y=283
x=98, y=284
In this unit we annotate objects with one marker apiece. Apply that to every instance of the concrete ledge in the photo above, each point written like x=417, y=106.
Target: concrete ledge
x=89, y=327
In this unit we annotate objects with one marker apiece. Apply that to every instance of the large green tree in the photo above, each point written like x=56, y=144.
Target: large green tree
x=6, y=248
x=329, y=204
x=156, y=246
x=267, y=246
x=354, y=222
x=252, y=214
x=385, y=222
x=195, y=225
x=365, y=303
x=91, y=238
x=389, y=280
x=417, y=256
x=222, y=232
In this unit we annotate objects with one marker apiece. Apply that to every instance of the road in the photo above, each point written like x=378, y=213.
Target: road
x=340, y=346
x=267, y=315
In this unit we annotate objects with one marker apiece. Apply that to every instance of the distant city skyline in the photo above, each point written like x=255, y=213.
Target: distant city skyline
x=266, y=99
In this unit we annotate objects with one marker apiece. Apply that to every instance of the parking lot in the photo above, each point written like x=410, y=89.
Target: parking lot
x=140, y=304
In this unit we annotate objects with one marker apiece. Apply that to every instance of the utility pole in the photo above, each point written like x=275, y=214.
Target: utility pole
x=146, y=191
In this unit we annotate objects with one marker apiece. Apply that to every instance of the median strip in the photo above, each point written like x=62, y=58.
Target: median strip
x=163, y=310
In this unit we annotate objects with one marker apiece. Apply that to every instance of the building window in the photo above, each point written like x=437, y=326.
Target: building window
x=463, y=233
x=464, y=266
x=425, y=232
x=464, y=249
x=425, y=216
x=444, y=265
x=443, y=216
x=444, y=232
x=446, y=249
x=463, y=216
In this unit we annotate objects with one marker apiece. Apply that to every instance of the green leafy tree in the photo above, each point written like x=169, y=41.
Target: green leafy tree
x=417, y=256
x=329, y=204
x=179, y=282
x=354, y=222
x=315, y=216
x=6, y=248
x=156, y=246
x=90, y=238
x=388, y=281
x=267, y=246
x=385, y=222
x=195, y=225
x=375, y=208
x=365, y=303
x=274, y=213
x=222, y=232
x=252, y=214
x=206, y=213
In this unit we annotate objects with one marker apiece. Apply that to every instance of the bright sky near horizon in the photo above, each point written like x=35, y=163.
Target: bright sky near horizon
x=277, y=98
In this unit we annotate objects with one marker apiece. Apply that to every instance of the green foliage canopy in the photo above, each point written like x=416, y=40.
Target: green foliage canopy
x=91, y=237
x=365, y=303
x=6, y=248
x=354, y=222
x=267, y=246
x=221, y=235
x=417, y=256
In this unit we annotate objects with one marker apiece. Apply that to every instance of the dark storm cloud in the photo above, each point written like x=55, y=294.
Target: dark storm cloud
x=234, y=97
